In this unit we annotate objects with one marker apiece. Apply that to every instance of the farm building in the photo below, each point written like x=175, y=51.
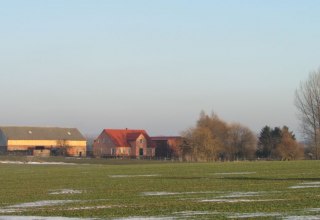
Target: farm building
x=123, y=143
x=42, y=141
x=167, y=146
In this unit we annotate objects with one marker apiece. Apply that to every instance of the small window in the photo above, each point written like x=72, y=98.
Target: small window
x=30, y=132
x=69, y=133
x=141, y=141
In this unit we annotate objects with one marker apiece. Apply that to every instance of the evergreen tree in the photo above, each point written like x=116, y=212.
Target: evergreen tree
x=278, y=143
x=265, y=143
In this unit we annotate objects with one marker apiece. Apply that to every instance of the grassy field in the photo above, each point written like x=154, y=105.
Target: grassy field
x=133, y=189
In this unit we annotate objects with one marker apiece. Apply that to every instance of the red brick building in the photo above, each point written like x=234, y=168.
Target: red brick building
x=123, y=143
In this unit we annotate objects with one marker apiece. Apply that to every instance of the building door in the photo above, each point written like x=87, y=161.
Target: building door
x=141, y=152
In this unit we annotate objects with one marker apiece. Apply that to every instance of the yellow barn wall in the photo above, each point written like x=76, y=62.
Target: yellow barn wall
x=73, y=147
x=75, y=151
x=46, y=143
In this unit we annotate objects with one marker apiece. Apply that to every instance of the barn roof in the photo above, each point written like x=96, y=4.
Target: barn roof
x=42, y=133
x=122, y=137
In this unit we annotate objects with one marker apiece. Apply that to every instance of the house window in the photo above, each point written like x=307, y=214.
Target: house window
x=113, y=151
x=141, y=141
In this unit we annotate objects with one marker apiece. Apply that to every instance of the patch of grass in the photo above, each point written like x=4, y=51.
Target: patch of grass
x=208, y=190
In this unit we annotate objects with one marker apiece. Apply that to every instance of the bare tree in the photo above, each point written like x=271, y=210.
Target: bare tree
x=288, y=148
x=213, y=139
x=201, y=145
x=242, y=142
x=186, y=147
x=307, y=101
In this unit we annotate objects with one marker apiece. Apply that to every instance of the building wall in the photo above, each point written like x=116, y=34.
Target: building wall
x=123, y=151
x=174, y=145
x=41, y=153
x=142, y=143
x=73, y=148
x=102, y=146
x=168, y=147
x=162, y=149
x=45, y=143
x=77, y=151
x=3, y=139
x=139, y=143
x=3, y=149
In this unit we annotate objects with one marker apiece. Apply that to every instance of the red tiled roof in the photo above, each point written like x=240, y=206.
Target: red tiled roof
x=122, y=137
x=133, y=136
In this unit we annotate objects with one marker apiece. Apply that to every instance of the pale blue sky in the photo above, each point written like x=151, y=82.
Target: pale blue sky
x=154, y=65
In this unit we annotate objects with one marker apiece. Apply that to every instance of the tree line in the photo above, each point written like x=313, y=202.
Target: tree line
x=278, y=143
x=212, y=139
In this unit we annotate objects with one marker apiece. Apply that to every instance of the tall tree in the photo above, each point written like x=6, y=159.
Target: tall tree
x=218, y=127
x=265, y=143
x=242, y=142
x=307, y=101
x=214, y=139
x=288, y=148
x=276, y=135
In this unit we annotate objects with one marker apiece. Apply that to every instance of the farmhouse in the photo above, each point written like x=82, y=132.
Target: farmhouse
x=42, y=141
x=123, y=143
x=167, y=146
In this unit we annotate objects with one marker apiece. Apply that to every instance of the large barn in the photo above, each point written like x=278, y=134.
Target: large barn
x=42, y=141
